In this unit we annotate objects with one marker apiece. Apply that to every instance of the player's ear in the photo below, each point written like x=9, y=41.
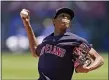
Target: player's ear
x=69, y=23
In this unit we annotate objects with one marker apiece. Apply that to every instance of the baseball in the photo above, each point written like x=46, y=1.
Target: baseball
x=24, y=13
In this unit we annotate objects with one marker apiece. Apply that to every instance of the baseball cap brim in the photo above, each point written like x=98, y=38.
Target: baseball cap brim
x=64, y=10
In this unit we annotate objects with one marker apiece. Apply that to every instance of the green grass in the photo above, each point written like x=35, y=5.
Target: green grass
x=20, y=66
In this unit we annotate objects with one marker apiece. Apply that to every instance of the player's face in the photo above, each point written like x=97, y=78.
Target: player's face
x=62, y=21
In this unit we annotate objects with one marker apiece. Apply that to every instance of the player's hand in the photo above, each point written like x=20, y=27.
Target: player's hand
x=82, y=69
x=25, y=14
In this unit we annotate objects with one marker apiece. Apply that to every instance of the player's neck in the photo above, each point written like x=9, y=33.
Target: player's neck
x=58, y=32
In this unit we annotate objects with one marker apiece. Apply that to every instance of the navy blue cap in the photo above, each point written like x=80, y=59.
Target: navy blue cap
x=64, y=10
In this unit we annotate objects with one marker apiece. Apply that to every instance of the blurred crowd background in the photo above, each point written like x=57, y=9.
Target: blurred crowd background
x=91, y=22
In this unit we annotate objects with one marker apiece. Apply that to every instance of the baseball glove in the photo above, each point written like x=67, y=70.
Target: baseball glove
x=81, y=55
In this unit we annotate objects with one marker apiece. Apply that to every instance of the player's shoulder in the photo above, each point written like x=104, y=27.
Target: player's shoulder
x=75, y=36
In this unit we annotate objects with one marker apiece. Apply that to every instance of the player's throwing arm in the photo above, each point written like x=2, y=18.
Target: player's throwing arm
x=26, y=21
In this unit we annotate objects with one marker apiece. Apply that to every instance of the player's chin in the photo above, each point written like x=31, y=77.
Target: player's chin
x=63, y=28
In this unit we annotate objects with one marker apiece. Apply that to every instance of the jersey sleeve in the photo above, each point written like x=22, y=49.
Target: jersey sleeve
x=86, y=42
x=38, y=50
x=79, y=40
x=39, y=47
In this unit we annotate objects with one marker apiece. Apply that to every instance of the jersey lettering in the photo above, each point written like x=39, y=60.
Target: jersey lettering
x=53, y=50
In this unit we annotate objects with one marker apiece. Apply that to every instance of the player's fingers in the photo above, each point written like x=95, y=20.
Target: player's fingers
x=85, y=65
x=27, y=11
